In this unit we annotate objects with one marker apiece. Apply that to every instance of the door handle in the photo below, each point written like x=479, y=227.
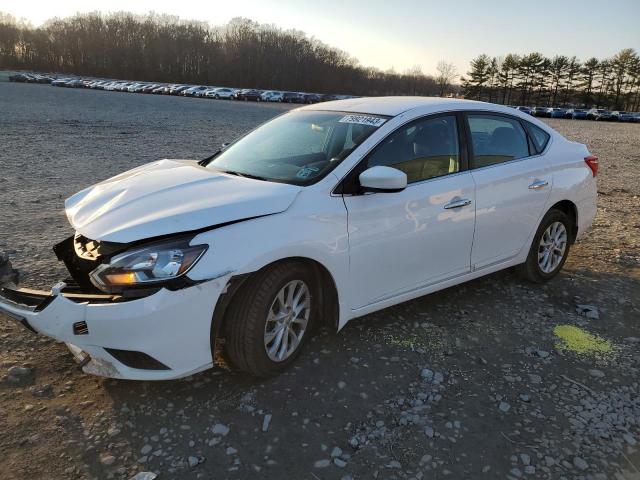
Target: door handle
x=538, y=184
x=461, y=202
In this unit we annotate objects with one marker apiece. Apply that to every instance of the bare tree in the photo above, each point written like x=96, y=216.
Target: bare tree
x=446, y=75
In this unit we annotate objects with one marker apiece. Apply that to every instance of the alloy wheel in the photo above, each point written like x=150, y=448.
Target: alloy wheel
x=287, y=320
x=552, y=247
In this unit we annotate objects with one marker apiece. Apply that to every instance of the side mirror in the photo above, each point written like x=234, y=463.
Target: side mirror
x=383, y=179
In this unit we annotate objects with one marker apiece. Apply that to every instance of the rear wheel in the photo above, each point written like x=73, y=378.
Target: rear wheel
x=270, y=319
x=549, y=249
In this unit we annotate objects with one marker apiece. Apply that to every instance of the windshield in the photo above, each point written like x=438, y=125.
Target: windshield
x=299, y=147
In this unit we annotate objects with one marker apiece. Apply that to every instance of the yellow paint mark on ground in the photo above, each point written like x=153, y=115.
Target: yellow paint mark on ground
x=581, y=342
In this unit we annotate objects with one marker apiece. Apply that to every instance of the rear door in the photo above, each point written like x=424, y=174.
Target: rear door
x=404, y=240
x=513, y=183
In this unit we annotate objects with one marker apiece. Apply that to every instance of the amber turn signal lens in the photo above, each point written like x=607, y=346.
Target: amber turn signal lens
x=128, y=278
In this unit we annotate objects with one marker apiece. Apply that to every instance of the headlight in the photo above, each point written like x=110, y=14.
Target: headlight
x=155, y=263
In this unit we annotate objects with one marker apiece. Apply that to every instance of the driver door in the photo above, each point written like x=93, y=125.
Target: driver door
x=422, y=235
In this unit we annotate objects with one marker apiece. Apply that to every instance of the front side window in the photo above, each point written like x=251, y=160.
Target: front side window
x=496, y=139
x=299, y=147
x=423, y=149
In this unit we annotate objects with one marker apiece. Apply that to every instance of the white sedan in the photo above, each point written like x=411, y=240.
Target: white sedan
x=324, y=214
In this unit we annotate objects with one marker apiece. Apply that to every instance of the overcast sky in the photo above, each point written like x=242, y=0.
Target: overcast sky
x=402, y=33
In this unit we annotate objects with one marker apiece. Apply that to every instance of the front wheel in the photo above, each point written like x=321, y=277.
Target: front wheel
x=549, y=249
x=270, y=319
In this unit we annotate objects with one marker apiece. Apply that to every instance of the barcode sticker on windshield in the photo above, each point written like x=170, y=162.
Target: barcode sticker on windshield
x=363, y=120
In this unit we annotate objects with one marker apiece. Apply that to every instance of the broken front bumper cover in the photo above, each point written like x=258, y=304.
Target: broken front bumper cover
x=163, y=336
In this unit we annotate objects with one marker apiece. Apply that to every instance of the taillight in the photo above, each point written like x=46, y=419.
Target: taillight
x=592, y=163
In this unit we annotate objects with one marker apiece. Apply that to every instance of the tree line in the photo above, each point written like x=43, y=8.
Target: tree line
x=164, y=48
x=534, y=79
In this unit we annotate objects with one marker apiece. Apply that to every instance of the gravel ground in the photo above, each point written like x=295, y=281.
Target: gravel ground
x=471, y=382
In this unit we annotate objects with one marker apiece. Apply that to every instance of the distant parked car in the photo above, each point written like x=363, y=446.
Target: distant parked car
x=248, y=94
x=596, y=113
x=75, y=84
x=620, y=116
x=524, y=109
x=222, y=92
x=178, y=89
x=555, y=112
x=310, y=98
x=149, y=88
x=291, y=97
x=539, y=111
x=576, y=114
x=193, y=91
x=272, y=96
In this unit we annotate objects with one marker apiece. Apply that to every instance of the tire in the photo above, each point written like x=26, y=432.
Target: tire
x=532, y=269
x=246, y=322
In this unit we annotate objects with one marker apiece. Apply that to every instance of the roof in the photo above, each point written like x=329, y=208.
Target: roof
x=391, y=106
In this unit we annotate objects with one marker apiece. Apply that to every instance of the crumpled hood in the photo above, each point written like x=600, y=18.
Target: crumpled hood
x=171, y=196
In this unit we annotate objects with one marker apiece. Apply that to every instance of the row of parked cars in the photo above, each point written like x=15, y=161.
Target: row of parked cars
x=580, y=113
x=201, y=91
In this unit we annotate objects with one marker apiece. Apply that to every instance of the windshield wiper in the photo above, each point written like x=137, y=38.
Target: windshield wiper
x=245, y=175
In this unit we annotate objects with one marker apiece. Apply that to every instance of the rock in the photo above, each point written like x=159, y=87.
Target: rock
x=146, y=449
x=265, y=422
x=504, y=407
x=525, y=459
x=144, y=476
x=394, y=464
x=542, y=353
x=107, y=459
x=338, y=462
x=580, y=463
x=8, y=275
x=231, y=451
x=19, y=376
x=629, y=439
x=341, y=384
x=525, y=398
x=529, y=469
x=426, y=374
x=596, y=373
x=588, y=311
x=193, y=461
x=322, y=463
x=428, y=431
x=42, y=391
x=220, y=429
x=336, y=452
x=535, y=378
x=438, y=377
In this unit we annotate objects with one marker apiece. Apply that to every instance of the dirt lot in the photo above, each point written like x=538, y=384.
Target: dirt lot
x=472, y=382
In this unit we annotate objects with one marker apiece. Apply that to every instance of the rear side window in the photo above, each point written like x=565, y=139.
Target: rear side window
x=539, y=137
x=496, y=139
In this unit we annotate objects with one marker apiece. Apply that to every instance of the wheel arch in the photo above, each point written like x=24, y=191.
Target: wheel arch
x=329, y=300
x=571, y=210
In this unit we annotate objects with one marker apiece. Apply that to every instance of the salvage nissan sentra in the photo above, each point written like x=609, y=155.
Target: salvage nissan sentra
x=322, y=215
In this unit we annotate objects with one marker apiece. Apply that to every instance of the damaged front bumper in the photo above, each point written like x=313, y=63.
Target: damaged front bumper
x=162, y=336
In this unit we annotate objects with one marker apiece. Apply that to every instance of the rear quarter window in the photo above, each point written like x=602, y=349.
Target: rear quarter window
x=539, y=137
